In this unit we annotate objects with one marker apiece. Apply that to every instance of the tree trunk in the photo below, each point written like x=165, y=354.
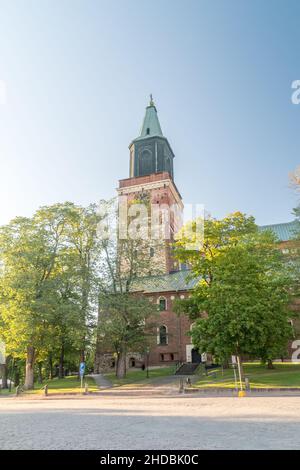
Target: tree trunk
x=121, y=365
x=3, y=375
x=40, y=375
x=17, y=377
x=270, y=364
x=82, y=356
x=61, y=371
x=29, y=374
x=50, y=366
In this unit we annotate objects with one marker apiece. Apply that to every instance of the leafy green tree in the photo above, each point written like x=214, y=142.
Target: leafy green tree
x=241, y=300
x=79, y=283
x=294, y=254
x=46, y=278
x=126, y=319
x=124, y=325
x=29, y=249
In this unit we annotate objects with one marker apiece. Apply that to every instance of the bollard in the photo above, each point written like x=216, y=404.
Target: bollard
x=17, y=390
x=181, y=386
x=86, y=388
x=46, y=390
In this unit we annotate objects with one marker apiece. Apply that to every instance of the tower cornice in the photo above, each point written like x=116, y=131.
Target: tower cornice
x=150, y=182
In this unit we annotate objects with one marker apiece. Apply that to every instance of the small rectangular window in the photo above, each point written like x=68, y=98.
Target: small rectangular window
x=162, y=304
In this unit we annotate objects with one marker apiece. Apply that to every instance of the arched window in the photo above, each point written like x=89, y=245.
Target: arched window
x=148, y=131
x=162, y=335
x=162, y=303
x=132, y=362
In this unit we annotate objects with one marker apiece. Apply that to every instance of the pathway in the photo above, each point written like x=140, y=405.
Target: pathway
x=101, y=381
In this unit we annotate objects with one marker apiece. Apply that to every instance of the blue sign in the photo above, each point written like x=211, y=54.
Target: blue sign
x=81, y=369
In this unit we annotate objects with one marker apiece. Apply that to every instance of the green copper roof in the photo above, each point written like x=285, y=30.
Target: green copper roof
x=151, y=126
x=177, y=281
x=181, y=280
x=285, y=231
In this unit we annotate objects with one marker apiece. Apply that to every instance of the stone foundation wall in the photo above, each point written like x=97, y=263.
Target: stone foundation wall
x=106, y=362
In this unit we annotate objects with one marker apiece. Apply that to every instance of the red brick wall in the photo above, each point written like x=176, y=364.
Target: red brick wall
x=163, y=196
x=177, y=327
x=139, y=180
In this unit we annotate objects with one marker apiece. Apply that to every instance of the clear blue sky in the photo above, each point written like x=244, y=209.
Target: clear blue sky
x=78, y=75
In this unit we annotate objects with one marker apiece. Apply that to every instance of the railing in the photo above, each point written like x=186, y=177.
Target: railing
x=199, y=369
x=177, y=366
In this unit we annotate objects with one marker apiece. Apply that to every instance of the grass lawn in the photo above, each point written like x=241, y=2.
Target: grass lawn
x=6, y=392
x=69, y=384
x=140, y=376
x=285, y=374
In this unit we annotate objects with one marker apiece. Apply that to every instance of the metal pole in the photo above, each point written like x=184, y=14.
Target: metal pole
x=240, y=374
x=235, y=379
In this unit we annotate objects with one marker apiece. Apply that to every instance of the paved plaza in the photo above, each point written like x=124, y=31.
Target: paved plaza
x=127, y=420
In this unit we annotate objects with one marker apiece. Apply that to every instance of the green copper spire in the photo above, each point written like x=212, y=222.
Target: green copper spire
x=151, y=126
x=150, y=152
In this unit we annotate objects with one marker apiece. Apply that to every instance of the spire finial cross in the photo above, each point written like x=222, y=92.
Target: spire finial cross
x=151, y=100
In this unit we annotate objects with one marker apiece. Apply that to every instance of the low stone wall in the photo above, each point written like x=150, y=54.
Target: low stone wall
x=106, y=362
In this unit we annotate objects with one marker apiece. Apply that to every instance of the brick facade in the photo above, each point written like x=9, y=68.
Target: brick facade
x=160, y=190
x=178, y=328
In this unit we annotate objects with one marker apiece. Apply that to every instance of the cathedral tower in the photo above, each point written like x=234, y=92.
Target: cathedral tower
x=150, y=152
x=152, y=180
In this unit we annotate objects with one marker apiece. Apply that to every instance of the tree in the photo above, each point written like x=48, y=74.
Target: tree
x=124, y=325
x=293, y=256
x=82, y=257
x=29, y=249
x=295, y=179
x=47, y=271
x=4, y=372
x=66, y=320
x=126, y=319
x=243, y=289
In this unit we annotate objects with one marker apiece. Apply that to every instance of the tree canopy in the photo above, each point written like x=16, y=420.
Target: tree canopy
x=240, y=303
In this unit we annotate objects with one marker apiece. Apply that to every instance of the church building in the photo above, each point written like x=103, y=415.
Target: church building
x=151, y=177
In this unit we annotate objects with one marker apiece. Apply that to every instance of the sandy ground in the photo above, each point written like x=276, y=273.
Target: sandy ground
x=128, y=421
